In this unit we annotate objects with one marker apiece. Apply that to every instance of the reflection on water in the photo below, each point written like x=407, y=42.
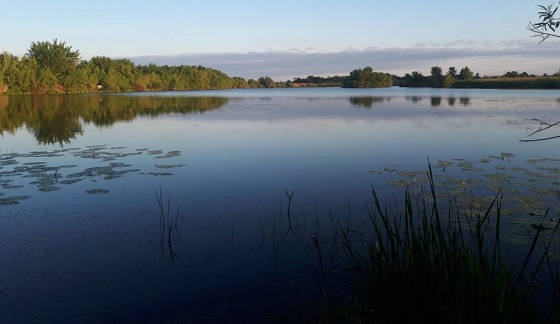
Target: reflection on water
x=58, y=118
x=367, y=102
x=435, y=101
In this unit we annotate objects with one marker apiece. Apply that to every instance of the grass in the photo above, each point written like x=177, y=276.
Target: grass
x=510, y=83
x=167, y=225
x=431, y=263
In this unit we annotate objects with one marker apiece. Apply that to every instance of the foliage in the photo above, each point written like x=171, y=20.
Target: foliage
x=467, y=79
x=266, y=82
x=54, y=67
x=417, y=79
x=310, y=81
x=547, y=23
x=429, y=262
x=452, y=71
x=367, y=78
x=448, y=80
x=55, y=55
x=511, y=83
x=437, y=76
x=465, y=74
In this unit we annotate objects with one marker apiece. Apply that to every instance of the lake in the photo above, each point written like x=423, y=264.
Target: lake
x=82, y=236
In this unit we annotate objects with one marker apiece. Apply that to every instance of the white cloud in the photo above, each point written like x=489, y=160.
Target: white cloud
x=486, y=57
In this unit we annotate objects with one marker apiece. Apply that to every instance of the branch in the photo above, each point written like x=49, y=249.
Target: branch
x=539, y=33
x=543, y=128
x=541, y=139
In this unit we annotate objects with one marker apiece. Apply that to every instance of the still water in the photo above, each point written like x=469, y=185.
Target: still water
x=80, y=227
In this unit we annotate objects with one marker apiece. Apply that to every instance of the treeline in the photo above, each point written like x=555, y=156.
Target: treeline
x=54, y=67
x=436, y=79
x=359, y=78
x=330, y=81
x=465, y=78
x=367, y=78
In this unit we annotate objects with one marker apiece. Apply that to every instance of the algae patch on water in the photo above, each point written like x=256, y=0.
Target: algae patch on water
x=97, y=191
x=14, y=200
x=169, y=166
x=46, y=176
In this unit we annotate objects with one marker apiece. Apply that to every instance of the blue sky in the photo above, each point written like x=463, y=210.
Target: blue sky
x=185, y=31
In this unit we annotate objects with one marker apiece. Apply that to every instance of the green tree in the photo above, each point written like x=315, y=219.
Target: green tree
x=448, y=80
x=437, y=76
x=58, y=57
x=452, y=71
x=266, y=82
x=54, y=67
x=3, y=87
x=45, y=82
x=466, y=74
x=367, y=78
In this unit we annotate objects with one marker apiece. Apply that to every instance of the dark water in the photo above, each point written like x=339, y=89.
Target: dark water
x=80, y=235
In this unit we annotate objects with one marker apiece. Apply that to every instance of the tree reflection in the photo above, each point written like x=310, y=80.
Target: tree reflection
x=435, y=101
x=60, y=118
x=366, y=102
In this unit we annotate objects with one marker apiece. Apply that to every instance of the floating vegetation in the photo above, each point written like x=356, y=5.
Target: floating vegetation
x=499, y=177
x=97, y=191
x=48, y=188
x=169, y=166
x=158, y=174
x=376, y=172
x=534, y=161
x=49, y=177
x=399, y=183
x=169, y=154
x=507, y=155
x=12, y=200
x=528, y=190
x=11, y=186
x=469, y=166
x=443, y=164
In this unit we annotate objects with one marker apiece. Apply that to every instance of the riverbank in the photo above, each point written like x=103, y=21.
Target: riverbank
x=510, y=83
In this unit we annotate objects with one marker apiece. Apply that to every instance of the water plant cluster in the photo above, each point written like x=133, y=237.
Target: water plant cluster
x=39, y=168
x=424, y=259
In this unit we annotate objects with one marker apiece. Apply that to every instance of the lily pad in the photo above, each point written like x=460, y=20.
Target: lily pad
x=97, y=191
x=14, y=200
x=169, y=166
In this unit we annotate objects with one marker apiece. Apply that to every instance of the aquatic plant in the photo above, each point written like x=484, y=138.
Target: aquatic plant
x=168, y=221
x=429, y=261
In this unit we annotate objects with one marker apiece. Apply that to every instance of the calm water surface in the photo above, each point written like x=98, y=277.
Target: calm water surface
x=79, y=225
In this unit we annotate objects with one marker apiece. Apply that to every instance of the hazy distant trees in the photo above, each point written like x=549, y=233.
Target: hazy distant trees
x=448, y=80
x=452, y=71
x=266, y=82
x=367, y=78
x=437, y=76
x=436, y=79
x=465, y=74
